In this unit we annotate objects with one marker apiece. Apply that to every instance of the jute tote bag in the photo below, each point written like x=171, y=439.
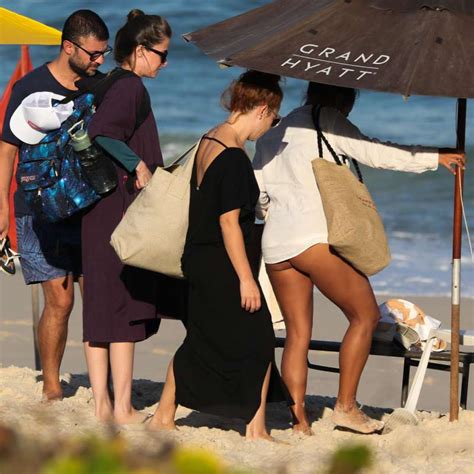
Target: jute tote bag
x=355, y=229
x=152, y=233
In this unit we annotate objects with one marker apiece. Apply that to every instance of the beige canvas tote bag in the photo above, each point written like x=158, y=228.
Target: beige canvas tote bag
x=152, y=233
x=355, y=229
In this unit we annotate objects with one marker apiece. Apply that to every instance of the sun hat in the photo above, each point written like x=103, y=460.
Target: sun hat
x=37, y=115
x=412, y=324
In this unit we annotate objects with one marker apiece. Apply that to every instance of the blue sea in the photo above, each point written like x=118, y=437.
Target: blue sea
x=417, y=209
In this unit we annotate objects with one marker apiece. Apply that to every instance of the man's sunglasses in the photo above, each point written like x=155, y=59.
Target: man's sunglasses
x=7, y=257
x=94, y=55
x=162, y=54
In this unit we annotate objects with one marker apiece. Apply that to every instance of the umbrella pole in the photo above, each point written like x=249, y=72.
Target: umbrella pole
x=456, y=270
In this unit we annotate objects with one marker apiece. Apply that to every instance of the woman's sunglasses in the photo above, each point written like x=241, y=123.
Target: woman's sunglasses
x=162, y=54
x=276, y=121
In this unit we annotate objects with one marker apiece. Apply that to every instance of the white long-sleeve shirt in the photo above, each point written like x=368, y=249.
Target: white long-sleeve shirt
x=289, y=196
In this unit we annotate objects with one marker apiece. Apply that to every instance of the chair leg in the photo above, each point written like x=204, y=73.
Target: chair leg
x=464, y=384
x=405, y=380
x=417, y=384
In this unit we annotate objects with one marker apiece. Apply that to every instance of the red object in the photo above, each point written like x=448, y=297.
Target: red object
x=23, y=67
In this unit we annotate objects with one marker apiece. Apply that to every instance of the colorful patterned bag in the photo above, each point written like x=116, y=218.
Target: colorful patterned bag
x=49, y=173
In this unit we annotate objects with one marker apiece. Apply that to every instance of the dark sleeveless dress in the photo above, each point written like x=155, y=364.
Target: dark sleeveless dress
x=221, y=365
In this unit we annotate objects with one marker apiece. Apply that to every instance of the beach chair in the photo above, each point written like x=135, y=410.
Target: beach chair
x=466, y=339
x=435, y=360
x=407, y=415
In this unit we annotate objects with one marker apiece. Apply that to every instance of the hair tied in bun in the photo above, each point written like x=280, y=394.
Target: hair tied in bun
x=252, y=76
x=140, y=29
x=251, y=89
x=133, y=14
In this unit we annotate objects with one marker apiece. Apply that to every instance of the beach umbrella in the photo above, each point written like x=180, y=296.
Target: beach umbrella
x=410, y=47
x=21, y=30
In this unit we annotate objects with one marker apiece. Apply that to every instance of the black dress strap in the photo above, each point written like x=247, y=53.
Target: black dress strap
x=215, y=140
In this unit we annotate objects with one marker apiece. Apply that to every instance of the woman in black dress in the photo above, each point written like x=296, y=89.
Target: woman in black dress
x=120, y=301
x=225, y=366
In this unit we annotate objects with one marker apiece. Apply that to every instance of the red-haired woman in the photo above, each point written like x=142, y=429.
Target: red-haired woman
x=226, y=366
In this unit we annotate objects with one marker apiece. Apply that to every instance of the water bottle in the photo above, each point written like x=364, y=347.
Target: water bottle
x=97, y=168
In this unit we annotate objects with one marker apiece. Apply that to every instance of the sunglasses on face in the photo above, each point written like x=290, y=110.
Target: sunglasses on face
x=162, y=54
x=94, y=55
x=276, y=121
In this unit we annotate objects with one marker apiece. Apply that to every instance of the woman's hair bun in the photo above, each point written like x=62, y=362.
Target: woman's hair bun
x=251, y=89
x=140, y=29
x=259, y=78
x=135, y=14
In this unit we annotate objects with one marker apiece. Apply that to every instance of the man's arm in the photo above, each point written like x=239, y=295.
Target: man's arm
x=7, y=160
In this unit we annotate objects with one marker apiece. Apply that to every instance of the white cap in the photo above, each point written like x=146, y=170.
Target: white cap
x=36, y=116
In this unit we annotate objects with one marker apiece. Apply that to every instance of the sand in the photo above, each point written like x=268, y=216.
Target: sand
x=380, y=384
x=435, y=445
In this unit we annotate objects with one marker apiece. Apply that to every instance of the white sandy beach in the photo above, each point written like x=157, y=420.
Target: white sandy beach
x=433, y=446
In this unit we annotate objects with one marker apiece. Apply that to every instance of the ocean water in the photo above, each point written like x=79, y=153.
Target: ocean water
x=417, y=209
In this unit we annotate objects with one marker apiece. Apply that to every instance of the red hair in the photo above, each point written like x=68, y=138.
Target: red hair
x=251, y=89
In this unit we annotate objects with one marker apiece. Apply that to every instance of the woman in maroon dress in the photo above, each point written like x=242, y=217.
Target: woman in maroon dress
x=119, y=301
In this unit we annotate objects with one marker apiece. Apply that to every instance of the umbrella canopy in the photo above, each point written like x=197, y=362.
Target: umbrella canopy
x=411, y=47
x=19, y=29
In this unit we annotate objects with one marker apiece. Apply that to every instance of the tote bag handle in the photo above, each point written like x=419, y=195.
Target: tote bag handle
x=316, y=112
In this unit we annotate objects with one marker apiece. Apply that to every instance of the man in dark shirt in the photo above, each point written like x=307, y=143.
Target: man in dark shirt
x=51, y=253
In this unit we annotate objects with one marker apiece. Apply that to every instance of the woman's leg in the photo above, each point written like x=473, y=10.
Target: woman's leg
x=163, y=419
x=256, y=429
x=352, y=293
x=294, y=292
x=97, y=358
x=121, y=362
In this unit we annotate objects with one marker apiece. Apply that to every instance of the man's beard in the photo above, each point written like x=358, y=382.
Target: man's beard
x=80, y=69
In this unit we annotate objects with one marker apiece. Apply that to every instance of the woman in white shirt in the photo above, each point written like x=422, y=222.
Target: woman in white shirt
x=295, y=243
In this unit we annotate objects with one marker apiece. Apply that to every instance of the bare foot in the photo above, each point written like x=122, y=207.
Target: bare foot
x=133, y=417
x=301, y=424
x=104, y=412
x=255, y=437
x=303, y=429
x=52, y=395
x=156, y=424
x=356, y=420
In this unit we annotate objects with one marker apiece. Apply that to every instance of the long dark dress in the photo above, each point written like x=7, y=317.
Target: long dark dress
x=119, y=301
x=221, y=365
